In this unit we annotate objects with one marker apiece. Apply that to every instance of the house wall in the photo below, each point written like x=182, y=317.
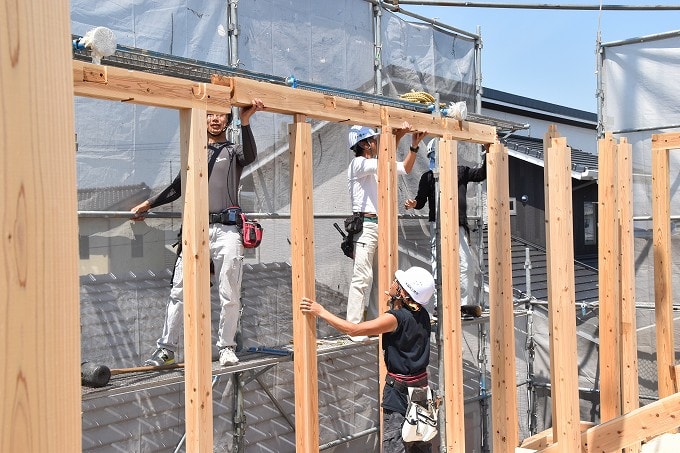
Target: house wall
x=529, y=221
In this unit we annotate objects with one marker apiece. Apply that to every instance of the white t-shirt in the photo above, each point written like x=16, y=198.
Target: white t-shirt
x=362, y=183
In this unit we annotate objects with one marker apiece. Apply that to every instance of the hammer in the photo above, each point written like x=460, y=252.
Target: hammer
x=94, y=375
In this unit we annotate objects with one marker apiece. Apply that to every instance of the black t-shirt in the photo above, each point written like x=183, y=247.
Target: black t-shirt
x=406, y=351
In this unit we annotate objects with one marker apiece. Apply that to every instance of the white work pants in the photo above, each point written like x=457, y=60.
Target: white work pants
x=226, y=252
x=468, y=268
x=365, y=259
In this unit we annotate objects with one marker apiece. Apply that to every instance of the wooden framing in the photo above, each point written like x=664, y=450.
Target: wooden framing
x=197, y=98
x=302, y=260
x=451, y=330
x=663, y=288
x=609, y=288
x=41, y=409
x=39, y=295
x=560, y=250
x=502, y=322
x=198, y=409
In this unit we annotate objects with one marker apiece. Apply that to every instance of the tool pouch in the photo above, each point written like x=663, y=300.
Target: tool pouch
x=251, y=232
x=354, y=223
x=420, y=423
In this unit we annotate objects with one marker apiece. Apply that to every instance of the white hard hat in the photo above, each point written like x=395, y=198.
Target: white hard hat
x=431, y=146
x=359, y=133
x=417, y=282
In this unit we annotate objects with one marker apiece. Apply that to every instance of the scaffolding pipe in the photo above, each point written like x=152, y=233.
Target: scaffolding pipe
x=377, y=48
x=345, y=439
x=573, y=7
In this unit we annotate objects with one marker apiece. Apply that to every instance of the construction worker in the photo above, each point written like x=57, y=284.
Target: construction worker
x=467, y=261
x=405, y=330
x=225, y=165
x=362, y=181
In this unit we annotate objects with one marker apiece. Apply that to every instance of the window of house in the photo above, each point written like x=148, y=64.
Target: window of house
x=512, y=205
x=84, y=246
x=589, y=223
x=137, y=246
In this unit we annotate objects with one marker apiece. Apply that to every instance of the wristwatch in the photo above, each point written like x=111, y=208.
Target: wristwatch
x=412, y=149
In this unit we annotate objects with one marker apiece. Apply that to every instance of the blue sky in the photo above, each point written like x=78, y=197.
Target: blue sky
x=550, y=54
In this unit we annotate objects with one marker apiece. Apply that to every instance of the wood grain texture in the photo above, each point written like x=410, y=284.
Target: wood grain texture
x=302, y=261
x=39, y=292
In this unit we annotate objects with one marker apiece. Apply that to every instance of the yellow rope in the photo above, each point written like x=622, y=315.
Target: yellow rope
x=420, y=97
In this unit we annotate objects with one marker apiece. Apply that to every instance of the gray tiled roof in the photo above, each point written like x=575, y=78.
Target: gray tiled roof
x=585, y=277
x=583, y=164
x=112, y=198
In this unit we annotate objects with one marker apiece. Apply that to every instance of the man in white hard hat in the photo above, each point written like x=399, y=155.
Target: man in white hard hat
x=426, y=194
x=405, y=330
x=362, y=180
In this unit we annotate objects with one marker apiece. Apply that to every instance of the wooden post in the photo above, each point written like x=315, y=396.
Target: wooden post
x=450, y=297
x=302, y=260
x=502, y=322
x=560, y=248
x=196, y=274
x=39, y=293
x=663, y=277
x=387, y=228
x=608, y=257
x=630, y=392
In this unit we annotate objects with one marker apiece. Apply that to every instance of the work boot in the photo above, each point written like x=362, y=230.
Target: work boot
x=470, y=311
x=228, y=356
x=161, y=356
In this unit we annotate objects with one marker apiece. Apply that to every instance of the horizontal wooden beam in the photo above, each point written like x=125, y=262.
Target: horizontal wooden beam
x=545, y=438
x=646, y=422
x=287, y=100
x=670, y=140
x=118, y=84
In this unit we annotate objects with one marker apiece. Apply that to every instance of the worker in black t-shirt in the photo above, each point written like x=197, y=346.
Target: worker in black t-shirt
x=405, y=330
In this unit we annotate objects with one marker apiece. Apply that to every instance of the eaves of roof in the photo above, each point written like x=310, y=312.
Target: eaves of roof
x=533, y=108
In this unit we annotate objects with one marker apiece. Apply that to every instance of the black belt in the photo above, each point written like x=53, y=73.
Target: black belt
x=222, y=217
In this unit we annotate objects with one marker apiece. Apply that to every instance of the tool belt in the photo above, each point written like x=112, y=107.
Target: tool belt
x=229, y=216
x=402, y=382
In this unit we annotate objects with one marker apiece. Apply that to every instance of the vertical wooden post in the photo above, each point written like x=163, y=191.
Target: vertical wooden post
x=560, y=248
x=630, y=392
x=450, y=297
x=198, y=407
x=502, y=322
x=302, y=260
x=39, y=294
x=663, y=277
x=387, y=227
x=608, y=257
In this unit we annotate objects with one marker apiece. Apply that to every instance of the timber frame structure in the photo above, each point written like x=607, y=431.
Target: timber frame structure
x=41, y=407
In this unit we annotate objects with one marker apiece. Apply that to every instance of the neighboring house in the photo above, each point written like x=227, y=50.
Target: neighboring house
x=117, y=245
x=527, y=190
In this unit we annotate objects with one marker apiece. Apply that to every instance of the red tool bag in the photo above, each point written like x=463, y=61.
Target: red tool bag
x=251, y=232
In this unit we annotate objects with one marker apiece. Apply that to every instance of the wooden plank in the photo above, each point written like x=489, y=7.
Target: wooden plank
x=198, y=409
x=643, y=423
x=560, y=249
x=118, y=84
x=609, y=277
x=676, y=377
x=545, y=438
x=502, y=319
x=630, y=393
x=39, y=294
x=302, y=261
x=283, y=99
x=663, y=290
x=670, y=140
x=454, y=429
x=387, y=228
